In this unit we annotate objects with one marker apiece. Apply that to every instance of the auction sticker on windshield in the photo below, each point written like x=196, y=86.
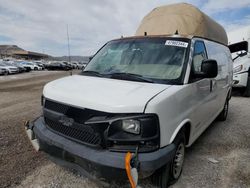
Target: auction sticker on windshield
x=176, y=43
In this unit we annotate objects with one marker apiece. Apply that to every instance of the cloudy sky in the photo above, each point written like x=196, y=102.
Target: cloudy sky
x=41, y=25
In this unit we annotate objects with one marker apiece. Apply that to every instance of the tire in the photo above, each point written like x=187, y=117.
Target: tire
x=246, y=92
x=35, y=68
x=223, y=115
x=170, y=173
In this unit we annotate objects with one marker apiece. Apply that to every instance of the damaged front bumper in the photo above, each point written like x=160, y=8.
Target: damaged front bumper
x=99, y=163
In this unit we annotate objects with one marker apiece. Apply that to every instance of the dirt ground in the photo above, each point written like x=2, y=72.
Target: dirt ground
x=220, y=158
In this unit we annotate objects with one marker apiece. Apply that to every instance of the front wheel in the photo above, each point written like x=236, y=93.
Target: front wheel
x=171, y=172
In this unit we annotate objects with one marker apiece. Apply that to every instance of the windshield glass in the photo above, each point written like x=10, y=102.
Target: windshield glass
x=159, y=59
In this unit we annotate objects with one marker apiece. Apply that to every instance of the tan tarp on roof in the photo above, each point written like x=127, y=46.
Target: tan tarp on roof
x=185, y=18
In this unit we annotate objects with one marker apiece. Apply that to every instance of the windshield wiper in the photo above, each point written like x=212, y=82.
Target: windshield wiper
x=92, y=73
x=130, y=76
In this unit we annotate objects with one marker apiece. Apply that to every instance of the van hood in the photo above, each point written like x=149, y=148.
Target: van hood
x=103, y=94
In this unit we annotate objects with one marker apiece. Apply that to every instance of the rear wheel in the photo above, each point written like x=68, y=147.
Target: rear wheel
x=246, y=92
x=170, y=173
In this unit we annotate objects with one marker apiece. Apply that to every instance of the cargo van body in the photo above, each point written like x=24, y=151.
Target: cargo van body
x=149, y=95
x=76, y=107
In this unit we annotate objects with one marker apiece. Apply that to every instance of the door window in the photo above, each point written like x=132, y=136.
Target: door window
x=198, y=56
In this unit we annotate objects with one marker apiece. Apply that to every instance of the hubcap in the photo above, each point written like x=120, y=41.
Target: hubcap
x=178, y=160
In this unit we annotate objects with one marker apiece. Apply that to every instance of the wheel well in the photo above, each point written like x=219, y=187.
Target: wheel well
x=186, y=129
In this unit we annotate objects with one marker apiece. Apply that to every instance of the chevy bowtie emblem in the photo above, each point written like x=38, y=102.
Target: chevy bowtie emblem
x=66, y=121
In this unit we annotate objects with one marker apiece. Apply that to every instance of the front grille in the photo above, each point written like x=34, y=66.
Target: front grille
x=88, y=134
x=57, y=107
x=84, y=135
x=78, y=114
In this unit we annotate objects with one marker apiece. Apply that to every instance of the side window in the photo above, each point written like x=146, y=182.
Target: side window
x=199, y=55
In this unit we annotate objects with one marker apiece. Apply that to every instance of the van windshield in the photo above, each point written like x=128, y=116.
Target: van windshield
x=159, y=60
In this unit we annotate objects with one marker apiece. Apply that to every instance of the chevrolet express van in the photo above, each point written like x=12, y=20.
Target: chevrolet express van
x=150, y=95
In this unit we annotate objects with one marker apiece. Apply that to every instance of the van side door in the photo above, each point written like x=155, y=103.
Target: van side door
x=223, y=81
x=202, y=91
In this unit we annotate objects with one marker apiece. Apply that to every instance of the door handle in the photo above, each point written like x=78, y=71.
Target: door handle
x=212, y=85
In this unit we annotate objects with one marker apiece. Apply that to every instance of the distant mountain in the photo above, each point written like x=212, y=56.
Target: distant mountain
x=72, y=58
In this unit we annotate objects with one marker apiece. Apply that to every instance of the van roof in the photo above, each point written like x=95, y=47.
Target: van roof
x=183, y=18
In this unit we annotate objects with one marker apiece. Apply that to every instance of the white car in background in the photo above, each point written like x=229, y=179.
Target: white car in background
x=3, y=71
x=30, y=65
x=9, y=69
x=78, y=65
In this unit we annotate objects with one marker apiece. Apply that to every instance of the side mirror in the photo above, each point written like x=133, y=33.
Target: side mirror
x=209, y=68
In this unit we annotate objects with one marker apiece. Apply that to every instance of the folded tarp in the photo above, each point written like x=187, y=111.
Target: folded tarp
x=184, y=18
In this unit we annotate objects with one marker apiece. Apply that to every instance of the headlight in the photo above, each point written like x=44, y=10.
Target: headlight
x=238, y=68
x=131, y=126
x=128, y=133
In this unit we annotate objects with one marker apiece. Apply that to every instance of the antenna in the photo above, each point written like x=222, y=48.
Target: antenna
x=68, y=42
x=176, y=32
x=69, y=48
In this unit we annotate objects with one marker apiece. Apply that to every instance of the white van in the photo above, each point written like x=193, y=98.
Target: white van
x=239, y=46
x=150, y=95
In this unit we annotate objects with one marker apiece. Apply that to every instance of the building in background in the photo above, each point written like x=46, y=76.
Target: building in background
x=13, y=51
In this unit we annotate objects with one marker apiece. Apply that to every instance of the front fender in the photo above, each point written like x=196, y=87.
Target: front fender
x=183, y=123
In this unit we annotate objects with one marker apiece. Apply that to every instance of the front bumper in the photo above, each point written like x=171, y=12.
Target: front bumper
x=13, y=71
x=100, y=163
x=240, y=79
x=3, y=72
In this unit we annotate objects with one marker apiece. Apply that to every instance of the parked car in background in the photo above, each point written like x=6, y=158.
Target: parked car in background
x=77, y=65
x=21, y=69
x=72, y=64
x=18, y=63
x=3, y=71
x=58, y=66
x=68, y=65
x=84, y=64
x=81, y=65
x=40, y=64
x=9, y=68
x=30, y=65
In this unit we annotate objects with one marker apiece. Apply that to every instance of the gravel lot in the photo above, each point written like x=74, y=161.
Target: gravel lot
x=20, y=166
